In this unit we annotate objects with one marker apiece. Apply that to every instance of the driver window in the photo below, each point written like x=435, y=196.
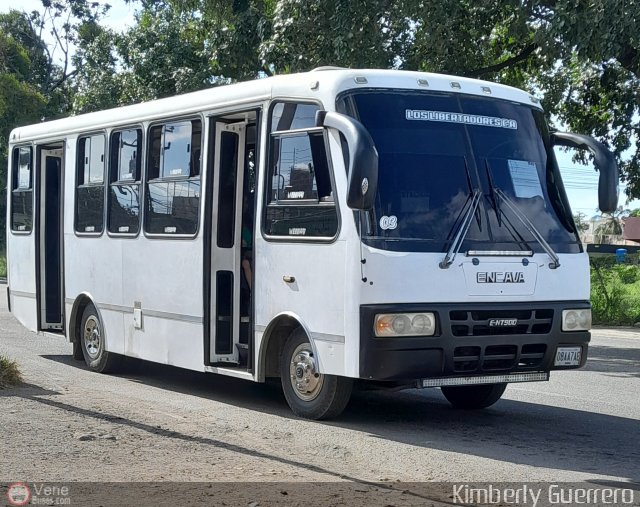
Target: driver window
x=300, y=196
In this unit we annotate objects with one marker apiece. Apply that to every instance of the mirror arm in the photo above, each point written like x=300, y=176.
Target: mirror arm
x=362, y=172
x=602, y=156
x=604, y=162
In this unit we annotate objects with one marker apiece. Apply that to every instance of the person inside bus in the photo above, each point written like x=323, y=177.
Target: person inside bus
x=246, y=259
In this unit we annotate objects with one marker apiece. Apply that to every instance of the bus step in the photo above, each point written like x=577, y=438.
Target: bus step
x=243, y=352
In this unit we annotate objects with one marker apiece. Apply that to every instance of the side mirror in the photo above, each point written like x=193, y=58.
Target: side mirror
x=363, y=158
x=604, y=162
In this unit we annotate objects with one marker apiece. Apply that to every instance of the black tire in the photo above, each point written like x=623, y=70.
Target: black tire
x=330, y=394
x=78, y=355
x=93, y=345
x=473, y=397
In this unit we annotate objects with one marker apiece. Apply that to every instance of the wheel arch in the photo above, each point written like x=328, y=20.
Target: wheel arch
x=273, y=340
x=82, y=300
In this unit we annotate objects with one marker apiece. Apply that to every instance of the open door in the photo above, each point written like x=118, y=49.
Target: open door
x=226, y=243
x=50, y=238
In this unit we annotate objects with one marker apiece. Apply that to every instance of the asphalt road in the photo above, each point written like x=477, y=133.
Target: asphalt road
x=163, y=423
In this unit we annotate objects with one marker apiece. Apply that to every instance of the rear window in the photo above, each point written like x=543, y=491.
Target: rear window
x=21, y=190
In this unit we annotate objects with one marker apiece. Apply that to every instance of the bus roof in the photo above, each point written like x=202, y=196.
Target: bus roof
x=323, y=84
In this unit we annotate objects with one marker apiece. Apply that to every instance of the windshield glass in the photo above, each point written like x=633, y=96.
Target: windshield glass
x=435, y=149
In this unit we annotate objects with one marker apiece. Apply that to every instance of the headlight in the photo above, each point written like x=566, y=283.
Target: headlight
x=576, y=320
x=405, y=324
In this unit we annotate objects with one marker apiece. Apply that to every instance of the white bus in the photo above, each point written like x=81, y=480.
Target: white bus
x=400, y=229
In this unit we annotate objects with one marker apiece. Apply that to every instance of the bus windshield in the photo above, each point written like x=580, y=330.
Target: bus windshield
x=436, y=149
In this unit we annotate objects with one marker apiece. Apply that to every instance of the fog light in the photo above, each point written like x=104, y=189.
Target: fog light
x=576, y=320
x=405, y=324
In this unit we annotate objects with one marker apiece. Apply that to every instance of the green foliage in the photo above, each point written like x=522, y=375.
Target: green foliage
x=3, y=265
x=611, y=225
x=163, y=55
x=35, y=79
x=361, y=34
x=9, y=373
x=580, y=219
x=20, y=103
x=615, y=291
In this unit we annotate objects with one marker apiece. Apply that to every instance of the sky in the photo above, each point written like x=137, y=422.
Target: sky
x=581, y=182
x=119, y=17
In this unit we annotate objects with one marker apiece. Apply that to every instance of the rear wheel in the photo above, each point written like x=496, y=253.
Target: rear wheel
x=473, y=397
x=310, y=394
x=93, y=343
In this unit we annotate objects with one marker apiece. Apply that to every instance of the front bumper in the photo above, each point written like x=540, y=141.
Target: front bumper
x=465, y=345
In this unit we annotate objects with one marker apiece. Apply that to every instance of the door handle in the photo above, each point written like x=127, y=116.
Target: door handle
x=289, y=279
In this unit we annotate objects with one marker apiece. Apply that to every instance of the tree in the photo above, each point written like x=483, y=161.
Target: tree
x=611, y=225
x=164, y=54
x=35, y=77
x=580, y=219
x=52, y=71
x=98, y=84
x=20, y=103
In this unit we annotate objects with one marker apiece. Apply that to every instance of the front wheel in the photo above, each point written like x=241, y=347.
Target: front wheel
x=309, y=393
x=92, y=343
x=473, y=397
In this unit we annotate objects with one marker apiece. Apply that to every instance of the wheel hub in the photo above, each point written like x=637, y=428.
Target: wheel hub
x=92, y=337
x=305, y=379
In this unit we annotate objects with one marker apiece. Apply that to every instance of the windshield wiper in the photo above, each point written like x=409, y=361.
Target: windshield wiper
x=495, y=201
x=462, y=231
x=530, y=227
x=492, y=194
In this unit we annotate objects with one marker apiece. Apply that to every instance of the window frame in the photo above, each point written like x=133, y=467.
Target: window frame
x=105, y=136
x=11, y=189
x=143, y=160
x=266, y=187
x=145, y=174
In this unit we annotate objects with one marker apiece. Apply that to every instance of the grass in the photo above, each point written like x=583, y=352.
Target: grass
x=3, y=265
x=9, y=373
x=615, y=292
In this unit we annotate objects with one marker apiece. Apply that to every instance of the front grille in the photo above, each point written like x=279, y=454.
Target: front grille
x=498, y=357
x=532, y=355
x=466, y=358
x=476, y=322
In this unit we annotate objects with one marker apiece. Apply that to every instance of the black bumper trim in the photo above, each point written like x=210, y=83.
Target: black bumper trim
x=411, y=358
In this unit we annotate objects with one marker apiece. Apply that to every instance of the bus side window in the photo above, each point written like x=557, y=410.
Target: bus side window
x=123, y=212
x=172, y=199
x=22, y=190
x=300, y=200
x=90, y=184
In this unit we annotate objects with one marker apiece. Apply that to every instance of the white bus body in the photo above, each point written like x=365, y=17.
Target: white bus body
x=144, y=258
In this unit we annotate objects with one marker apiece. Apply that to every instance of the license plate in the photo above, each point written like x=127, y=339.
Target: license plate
x=568, y=356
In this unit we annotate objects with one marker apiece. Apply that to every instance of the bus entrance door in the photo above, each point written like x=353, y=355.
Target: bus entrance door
x=228, y=176
x=49, y=219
